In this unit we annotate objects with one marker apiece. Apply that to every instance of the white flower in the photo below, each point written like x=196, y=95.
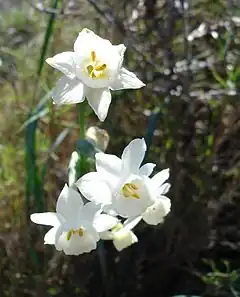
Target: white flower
x=125, y=188
x=75, y=226
x=92, y=70
x=121, y=234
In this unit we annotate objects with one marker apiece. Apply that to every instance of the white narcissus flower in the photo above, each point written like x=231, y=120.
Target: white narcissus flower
x=121, y=234
x=92, y=70
x=75, y=226
x=125, y=188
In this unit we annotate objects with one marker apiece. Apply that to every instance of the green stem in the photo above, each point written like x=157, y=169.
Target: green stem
x=81, y=119
x=103, y=268
x=81, y=122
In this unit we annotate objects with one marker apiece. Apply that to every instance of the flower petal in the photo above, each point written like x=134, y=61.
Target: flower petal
x=50, y=236
x=126, y=80
x=94, y=188
x=64, y=62
x=68, y=91
x=109, y=166
x=106, y=235
x=88, y=214
x=133, y=156
x=123, y=239
x=99, y=100
x=147, y=169
x=45, y=218
x=121, y=48
x=77, y=245
x=131, y=206
x=130, y=223
x=159, y=178
x=163, y=189
x=87, y=38
x=104, y=222
x=156, y=212
x=69, y=203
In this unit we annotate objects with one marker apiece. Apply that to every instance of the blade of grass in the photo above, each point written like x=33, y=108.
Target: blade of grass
x=47, y=37
x=83, y=166
x=45, y=45
x=152, y=124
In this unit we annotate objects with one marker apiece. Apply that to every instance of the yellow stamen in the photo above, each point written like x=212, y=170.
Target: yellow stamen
x=90, y=69
x=95, y=69
x=71, y=232
x=93, y=56
x=129, y=190
x=100, y=67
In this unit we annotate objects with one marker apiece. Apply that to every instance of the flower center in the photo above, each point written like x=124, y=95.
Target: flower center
x=129, y=190
x=71, y=232
x=95, y=69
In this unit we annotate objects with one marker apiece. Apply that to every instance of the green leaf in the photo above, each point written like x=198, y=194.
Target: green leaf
x=47, y=37
x=152, y=124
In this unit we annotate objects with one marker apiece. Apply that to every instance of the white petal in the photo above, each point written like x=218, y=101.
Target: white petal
x=50, y=236
x=45, y=218
x=132, y=206
x=107, y=235
x=164, y=189
x=159, y=178
x=68, y=91
x=99, y=100
x=147, y=169
x=156, y=212
x=77, y=245
x=94, y=188
x=121, y=48
x=109, y=166
x=133, y=156
x=88, y=214
x=130, y=223
x=123, y=239
x=64, y=62
x=86, y=38
x=69, y=203
x=126, y=80
x=109, y=210
x=104, y=222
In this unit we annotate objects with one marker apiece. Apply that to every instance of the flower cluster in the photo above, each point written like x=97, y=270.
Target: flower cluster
x=121, y=192
x=121, y=188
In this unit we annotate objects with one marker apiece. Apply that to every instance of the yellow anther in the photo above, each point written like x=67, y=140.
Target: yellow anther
x=90, y=69
x=80, y=232
x=95, y=69
x=93, y=56
x=129, y=190
x=71, y=232
x=101, y=67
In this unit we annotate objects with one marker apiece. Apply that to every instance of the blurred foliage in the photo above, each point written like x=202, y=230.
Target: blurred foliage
x=188, y=54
